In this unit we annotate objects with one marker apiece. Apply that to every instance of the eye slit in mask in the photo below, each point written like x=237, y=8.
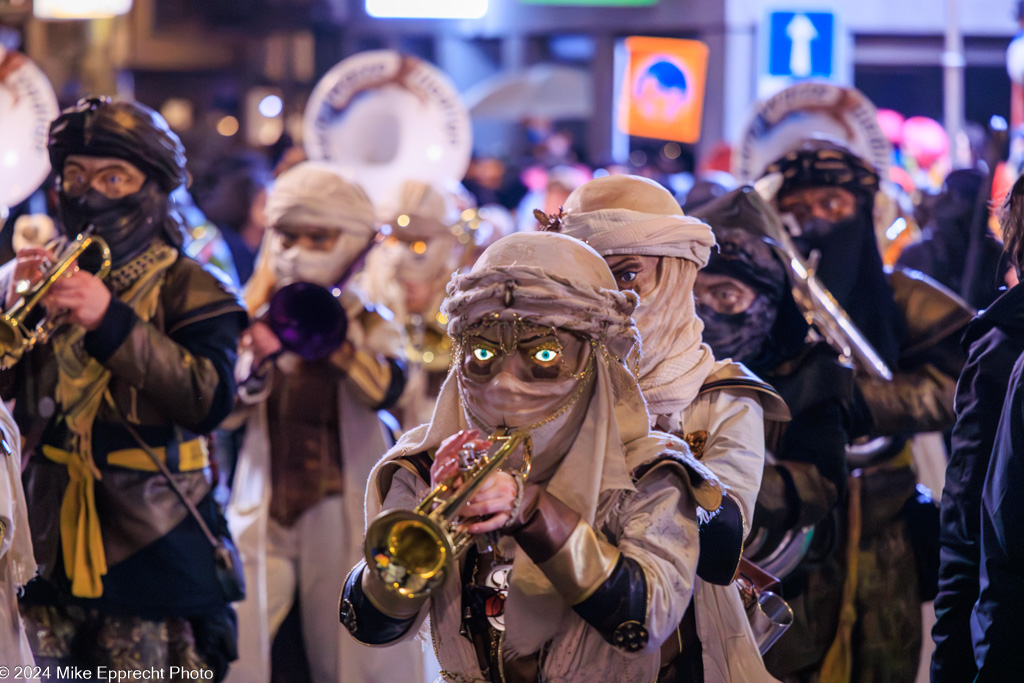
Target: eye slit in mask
x=545, y=358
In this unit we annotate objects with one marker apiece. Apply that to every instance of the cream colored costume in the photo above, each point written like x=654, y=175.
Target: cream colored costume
x=309, y=554
x=587, y=455
x=17, y=563
x=631, y=215
x=408, y=274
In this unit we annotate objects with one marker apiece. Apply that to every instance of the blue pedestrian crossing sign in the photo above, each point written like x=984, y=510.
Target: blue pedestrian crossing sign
x=801, y=44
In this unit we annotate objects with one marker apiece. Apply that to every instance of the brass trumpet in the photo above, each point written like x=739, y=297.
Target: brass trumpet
x=412, y=551
x=16, y=336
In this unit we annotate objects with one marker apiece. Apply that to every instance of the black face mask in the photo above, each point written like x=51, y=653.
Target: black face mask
x=739, y=336
x=128, y=223
x=841, y=245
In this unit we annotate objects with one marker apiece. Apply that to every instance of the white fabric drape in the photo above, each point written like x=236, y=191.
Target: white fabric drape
x=17, y=562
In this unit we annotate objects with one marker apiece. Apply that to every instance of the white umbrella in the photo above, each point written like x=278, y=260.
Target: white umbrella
x=549, y=91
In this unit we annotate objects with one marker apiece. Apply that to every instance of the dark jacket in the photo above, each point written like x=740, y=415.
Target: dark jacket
x=996, y=624
x=172, y=377
x=801, y=491
x=920, y=396
x=993, y=341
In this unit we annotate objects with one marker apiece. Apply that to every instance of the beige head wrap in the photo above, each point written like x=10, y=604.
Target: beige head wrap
x=550, y=280
x=633, y=215
x=314, y=193
x=310, y=194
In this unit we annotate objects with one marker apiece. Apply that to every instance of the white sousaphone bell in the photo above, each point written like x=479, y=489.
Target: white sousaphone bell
x=383, y=118
x=27, y=106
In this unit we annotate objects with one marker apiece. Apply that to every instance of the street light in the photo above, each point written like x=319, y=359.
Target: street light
x=80, y=9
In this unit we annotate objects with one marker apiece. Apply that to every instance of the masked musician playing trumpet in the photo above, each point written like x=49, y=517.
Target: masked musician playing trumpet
x=128, y=577
x=592, y=550
x=312, y=429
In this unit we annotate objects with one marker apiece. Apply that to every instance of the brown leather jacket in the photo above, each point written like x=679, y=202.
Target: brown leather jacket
x=920, y=396
x=172, y=378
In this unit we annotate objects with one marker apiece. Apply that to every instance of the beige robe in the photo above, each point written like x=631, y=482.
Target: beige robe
x=17, y=563
x=363, y=441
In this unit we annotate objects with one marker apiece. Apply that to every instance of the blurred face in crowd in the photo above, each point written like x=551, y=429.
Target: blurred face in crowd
x=723, y=294
x=311, y=253
x=737, y=317
x=309, y=237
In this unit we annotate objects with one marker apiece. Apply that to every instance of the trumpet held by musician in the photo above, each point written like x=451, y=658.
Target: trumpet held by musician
x=585, y=534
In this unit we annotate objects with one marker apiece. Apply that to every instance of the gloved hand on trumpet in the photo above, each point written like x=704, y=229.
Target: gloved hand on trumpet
x=80, y=297
x=494, y=501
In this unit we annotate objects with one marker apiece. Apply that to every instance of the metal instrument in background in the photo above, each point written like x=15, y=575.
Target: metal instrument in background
x=769, y=614
x=384, y=117
x=16, y=334
x=412, y=551
x=307, y=319
x=823, y=311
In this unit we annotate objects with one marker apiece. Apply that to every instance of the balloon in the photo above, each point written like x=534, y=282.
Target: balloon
x=891, y=122
x=925, y=140
x=1015, y=59
x=899, y=175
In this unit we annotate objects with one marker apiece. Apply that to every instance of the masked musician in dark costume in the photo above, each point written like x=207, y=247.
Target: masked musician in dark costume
x=595, y=548
x=749, y=315
x=127, y=574
x=914, y=325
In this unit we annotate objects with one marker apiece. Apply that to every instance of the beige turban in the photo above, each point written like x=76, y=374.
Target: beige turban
x=313, y=193
x=632, y=215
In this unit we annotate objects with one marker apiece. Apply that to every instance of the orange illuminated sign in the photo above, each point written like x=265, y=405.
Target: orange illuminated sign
x=663, y=88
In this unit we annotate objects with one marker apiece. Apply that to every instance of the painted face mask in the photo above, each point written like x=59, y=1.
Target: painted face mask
x=516, y=375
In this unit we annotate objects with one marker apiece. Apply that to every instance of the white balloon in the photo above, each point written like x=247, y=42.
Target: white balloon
x=1015, y=60
x=27, y=106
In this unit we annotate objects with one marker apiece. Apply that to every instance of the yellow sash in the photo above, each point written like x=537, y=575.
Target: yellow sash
x=82, y=382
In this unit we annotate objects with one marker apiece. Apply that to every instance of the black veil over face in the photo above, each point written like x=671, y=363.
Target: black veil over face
x=773, y=329
x=122, y=130
x=851, y=264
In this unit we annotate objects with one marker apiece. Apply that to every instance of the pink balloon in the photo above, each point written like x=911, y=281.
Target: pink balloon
x=891, y=122
x=925, y=140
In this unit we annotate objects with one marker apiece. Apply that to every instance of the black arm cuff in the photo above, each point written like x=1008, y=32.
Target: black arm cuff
x=113, y=330
x=396, y=386
x=721, y=544
x=618, y=608
x=365, y=622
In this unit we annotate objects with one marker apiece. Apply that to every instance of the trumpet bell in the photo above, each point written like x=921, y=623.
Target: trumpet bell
x=308, y=319
x=770, y=617
x=410, y=552
x=16, y=336
x=12, y=342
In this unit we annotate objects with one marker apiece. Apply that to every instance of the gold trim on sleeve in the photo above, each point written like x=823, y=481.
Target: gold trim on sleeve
x=581, y=565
